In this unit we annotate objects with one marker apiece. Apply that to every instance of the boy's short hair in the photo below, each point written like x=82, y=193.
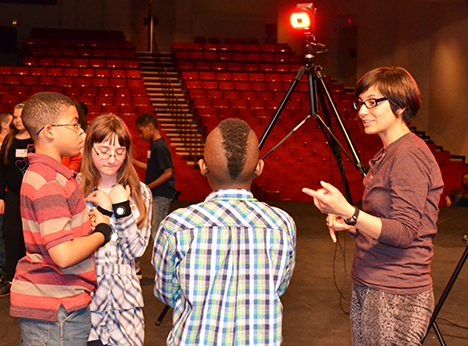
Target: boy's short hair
x=4, y=117
x=42, y=109
x=147, y=118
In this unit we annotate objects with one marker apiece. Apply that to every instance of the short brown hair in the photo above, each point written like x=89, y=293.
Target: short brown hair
x=4, y=116
x=397, y=85
x=42, y=109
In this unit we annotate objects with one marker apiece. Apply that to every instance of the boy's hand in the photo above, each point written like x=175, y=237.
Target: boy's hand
x=96, y=218
x=119, y=194
x=99, y=198
x=2, y=206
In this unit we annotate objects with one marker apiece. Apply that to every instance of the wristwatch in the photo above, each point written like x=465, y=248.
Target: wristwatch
x=353, y=219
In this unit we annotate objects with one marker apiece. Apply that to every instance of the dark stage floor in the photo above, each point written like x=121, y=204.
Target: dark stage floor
x=314, y=314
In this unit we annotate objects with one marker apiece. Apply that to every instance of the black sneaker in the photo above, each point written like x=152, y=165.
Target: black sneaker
x=5, y=288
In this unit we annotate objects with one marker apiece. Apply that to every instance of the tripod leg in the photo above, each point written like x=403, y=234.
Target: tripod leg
x=446, y=292
x=438, y=333
x=161, y=316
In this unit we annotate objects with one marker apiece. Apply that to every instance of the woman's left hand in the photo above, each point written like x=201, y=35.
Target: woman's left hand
x=119, y=194
x=335, y=224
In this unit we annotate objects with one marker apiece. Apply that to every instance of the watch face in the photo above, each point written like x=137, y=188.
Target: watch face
x=120, y=210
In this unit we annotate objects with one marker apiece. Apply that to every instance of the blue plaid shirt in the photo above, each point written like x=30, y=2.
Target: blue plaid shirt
x=222, y=265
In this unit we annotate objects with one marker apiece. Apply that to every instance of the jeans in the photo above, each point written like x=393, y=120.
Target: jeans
x=160, y=208
x=2, y=253
x=70, y=329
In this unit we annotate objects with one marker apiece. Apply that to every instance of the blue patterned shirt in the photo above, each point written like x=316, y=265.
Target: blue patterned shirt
x=222, y=265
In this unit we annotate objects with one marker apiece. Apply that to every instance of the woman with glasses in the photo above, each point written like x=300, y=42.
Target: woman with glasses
x=107, y=172
x=13, y=164
x=392, y=299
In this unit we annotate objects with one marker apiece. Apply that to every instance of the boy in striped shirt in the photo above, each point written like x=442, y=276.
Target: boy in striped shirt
x=50, y=294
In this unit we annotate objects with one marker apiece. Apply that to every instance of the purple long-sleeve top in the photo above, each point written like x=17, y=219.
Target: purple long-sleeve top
x=403, y=189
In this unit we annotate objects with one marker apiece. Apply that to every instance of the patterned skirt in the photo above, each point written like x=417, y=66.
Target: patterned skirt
x=379, y=318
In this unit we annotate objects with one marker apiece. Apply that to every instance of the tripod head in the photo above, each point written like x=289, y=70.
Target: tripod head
x=313, y=48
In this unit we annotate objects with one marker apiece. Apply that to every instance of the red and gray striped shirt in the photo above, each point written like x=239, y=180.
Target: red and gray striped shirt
x=53, y=212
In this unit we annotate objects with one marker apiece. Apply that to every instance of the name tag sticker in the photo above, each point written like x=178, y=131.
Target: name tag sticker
x=148, y=154
x=21, y=153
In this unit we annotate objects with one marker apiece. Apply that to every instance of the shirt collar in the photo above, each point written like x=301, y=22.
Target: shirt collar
x=230, y=194
x=49, y=161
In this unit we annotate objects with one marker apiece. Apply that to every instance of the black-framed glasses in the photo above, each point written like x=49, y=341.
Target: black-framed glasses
x=370, y=103
x=105, y=155
x=77, y=127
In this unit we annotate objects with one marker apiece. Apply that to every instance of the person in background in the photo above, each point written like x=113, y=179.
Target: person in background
x=5, y=121
x=392, y=298
x=458, y=197
x=224, y=263
x=159, y=169
x=116, y=309
x=13, y=164
x=51, y=291
x=74, y=162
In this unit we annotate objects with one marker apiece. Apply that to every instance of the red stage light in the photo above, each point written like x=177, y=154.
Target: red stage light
x=303, y=18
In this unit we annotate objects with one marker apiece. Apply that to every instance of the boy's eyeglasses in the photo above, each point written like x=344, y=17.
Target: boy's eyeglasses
x=77, y=127
x=105, y=155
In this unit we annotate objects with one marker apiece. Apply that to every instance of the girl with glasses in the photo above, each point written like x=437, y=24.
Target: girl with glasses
x=107, y=172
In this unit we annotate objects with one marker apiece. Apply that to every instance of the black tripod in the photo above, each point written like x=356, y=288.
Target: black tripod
x=445, y=294
x=318, y=89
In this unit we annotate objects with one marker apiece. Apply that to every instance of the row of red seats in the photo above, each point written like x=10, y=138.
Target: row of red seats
x=81, y=52
x=77, y=34
x=93, y=109
x=98, y=99
x=243, y=95
x=252, y=76
x=122, y=110
x=203, y=65
x=31, y=42
x=115, y=100
x=344, y=100
x=242, y=85
x=68, y=71
x=80, y=62
x=235, y=47
x=71, y=81
x=236, y=56
x=73, y=91
x=287, y=115
x=250, y=103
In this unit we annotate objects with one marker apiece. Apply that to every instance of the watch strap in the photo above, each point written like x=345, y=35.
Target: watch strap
x=353, y=219
x=121, y=209
x=104, y=211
